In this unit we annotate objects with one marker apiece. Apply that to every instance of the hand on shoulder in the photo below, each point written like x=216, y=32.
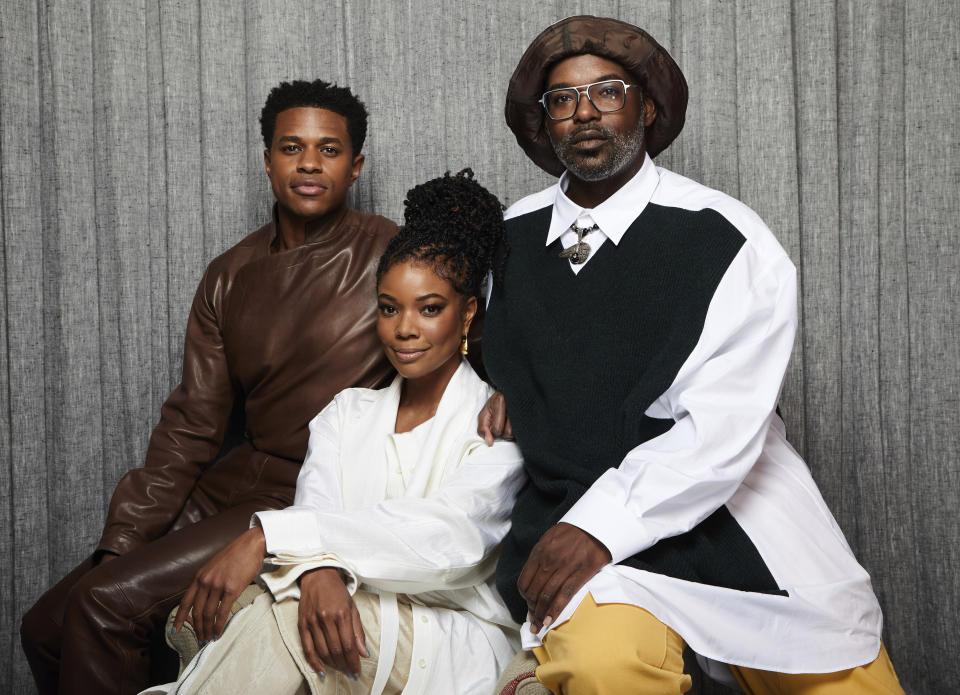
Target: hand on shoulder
x=493, y=421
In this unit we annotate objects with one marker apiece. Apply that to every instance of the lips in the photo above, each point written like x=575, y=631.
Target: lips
x=588, y=139
x=406, y=355
x=308, y=187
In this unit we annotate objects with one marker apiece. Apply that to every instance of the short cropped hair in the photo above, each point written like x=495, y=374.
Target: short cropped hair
x=316, y=94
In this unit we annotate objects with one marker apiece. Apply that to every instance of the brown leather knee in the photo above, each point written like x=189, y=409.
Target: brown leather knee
x=42, y=626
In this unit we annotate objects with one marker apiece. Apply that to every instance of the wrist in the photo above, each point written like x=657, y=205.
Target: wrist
x=319, y=573
x=255, y=538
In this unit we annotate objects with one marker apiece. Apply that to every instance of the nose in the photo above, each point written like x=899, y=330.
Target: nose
x=586, y=111
x=310, y=161
x=406, y=327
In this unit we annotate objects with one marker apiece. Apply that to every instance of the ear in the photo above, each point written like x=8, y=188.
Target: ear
x=355, y=167
x=649, y=111
x=467, y=312
x=266, y=161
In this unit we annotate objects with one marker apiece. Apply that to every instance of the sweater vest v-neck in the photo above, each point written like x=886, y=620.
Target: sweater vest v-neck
x=581, y=357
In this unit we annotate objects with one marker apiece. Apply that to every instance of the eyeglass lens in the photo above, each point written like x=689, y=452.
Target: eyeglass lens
x=605, y=97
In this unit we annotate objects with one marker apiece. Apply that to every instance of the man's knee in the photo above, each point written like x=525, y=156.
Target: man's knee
x=626, y=667
x=95, y=602
x=612, y=648
x=41, y=625
x=39, y=632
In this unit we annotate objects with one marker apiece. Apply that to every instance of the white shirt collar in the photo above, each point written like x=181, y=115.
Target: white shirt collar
x=614, y=215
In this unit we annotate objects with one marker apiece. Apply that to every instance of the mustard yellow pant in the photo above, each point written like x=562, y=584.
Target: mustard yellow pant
x=617, y=648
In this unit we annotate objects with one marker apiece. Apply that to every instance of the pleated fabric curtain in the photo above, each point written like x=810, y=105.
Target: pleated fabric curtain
x=130, y=156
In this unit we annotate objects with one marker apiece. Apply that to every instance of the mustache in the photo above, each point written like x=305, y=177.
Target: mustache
x=588, y=128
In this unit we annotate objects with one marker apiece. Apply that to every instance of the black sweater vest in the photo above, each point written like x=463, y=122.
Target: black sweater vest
x=580, y=358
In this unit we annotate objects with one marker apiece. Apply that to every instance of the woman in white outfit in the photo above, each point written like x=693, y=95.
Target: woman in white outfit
x=380, y=576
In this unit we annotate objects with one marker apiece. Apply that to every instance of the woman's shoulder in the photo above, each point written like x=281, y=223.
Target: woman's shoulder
x=356, y=402
x=469, y=386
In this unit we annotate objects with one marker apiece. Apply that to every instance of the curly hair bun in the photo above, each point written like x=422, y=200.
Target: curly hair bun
x=453, y=223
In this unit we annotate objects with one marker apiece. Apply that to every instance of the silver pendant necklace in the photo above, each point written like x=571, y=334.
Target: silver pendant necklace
x=579, y=252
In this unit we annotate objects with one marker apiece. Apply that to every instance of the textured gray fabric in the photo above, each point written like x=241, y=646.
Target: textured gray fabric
x=130, y=155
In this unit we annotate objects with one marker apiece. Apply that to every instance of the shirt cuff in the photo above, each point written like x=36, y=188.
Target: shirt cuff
x=283, y=581
x=605, y=518
x=283, y=530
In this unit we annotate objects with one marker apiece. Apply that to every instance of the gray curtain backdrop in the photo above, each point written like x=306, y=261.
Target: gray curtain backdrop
x=130, y=156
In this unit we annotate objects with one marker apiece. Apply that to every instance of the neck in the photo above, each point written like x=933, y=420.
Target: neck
x=294, y=231
x=420, y=397
x=589, y=194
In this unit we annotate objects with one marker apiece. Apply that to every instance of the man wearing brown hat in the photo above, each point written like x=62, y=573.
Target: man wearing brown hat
x=639, y=335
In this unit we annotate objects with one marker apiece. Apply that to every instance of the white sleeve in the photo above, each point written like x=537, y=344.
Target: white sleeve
x=722, y=402
x=318, y=487
x=407, y=544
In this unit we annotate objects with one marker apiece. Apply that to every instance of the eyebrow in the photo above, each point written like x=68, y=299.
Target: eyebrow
x=603, y=78
x=323, y=141
x=424, y=298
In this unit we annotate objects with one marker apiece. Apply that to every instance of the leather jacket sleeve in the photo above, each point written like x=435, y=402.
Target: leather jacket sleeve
x=192, y=423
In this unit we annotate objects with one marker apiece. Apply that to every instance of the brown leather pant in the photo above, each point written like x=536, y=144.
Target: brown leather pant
x=91, y=632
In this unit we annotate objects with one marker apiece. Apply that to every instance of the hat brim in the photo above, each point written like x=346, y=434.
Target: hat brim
x=624, y=43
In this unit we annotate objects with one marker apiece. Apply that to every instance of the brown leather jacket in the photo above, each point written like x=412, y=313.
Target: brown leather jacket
x=272, y=336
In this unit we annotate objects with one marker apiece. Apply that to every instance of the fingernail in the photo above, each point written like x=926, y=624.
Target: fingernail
x=548, y=621
x=321, y=674
x=355, y=676
x=173, y=630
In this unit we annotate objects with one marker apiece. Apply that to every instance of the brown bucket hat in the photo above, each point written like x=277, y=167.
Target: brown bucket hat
x=630, y=46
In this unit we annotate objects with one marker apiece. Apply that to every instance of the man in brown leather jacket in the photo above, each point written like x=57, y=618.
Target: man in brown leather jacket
x=280, y=323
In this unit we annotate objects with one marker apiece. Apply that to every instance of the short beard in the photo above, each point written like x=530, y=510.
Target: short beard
x=626, y=147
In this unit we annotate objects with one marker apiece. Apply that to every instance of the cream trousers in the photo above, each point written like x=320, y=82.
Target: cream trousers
x=260, y=652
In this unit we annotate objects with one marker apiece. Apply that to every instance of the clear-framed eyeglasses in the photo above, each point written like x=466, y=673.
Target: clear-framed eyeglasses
x=606, y=96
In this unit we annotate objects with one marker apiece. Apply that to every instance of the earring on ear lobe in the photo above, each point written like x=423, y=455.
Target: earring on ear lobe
x=464, y=347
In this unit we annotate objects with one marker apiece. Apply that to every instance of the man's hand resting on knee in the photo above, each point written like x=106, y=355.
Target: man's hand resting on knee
x=561, y=562
x=219, y=583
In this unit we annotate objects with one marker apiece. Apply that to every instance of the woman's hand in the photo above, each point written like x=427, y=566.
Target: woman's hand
x=493, y=422
x=329, y=623
x=219, y=583
x=561, y=562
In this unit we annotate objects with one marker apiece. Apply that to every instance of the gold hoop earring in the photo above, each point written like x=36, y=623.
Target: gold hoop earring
x=464, y=347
